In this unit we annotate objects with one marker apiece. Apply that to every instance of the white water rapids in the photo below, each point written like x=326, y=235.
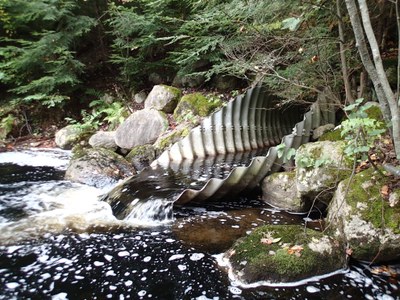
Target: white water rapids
x=41, y=205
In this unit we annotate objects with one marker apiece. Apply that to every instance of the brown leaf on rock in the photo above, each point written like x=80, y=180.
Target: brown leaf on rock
x=296, y=249
x=385, y=191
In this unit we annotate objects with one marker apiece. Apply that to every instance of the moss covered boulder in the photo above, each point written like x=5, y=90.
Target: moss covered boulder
x=320, y=168
x=361, y=215
x=98, y=167
x=285, y=253
x=163, y=98
x=192, y=105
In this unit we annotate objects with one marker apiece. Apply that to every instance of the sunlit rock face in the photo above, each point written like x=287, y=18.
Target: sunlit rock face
x=163, y=98
x=103, y=139
x=142, y=127
x=367, y=221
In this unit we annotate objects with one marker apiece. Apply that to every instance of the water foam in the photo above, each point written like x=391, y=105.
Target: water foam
x=55, y=158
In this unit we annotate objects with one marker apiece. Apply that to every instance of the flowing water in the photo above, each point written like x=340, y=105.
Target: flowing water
x=59, y=241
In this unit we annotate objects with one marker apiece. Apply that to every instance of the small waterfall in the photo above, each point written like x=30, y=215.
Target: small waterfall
x=150, y=211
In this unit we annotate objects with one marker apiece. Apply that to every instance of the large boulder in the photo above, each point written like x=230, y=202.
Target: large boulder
x=195, y=105
x=163, y=98
x=142, y=127
x=103, y=139
x=279, y=190
x=362, y=214
x=97, y=167
x=284, y=253
x=69, y=136
x=320, y=166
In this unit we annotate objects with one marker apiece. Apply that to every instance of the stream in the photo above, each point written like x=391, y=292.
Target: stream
x=59, y=241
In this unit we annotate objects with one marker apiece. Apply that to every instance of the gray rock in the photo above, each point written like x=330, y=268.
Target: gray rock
x=103, y=139
x=320, y=168
x=369, y=224
x=319, y=131
x=140, y=97
x=68, y=136
x=141, y=128
x=279, y=190
x=141, y=156
x=98, y=167
x=163, y=97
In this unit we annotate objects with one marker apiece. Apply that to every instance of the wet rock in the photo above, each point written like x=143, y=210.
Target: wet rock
x=141, y=156
x=279, y=190
x=97, y=167
x=369, y=223
x=192, y=106
x=285, y=253
x=103, y=139
x=141, y=128
x=68, y=136
x=320, y=168
x=163, y=98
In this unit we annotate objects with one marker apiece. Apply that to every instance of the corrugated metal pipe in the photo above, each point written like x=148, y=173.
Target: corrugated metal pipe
x=253, y=121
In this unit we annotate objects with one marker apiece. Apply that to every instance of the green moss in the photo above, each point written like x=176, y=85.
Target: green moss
x=366, y=189
x=173, y=90
x=333, y=136
x=142, y=150
x=195, y=104
x=171, y=138
x=274, y=261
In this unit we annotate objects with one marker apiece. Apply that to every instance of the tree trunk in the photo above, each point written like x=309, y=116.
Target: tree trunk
x=389, y=106
x=345, y=74
x=376, y=55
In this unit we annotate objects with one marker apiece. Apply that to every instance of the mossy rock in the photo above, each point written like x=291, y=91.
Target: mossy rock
x=141, y=156
x=367, y=221
x=196, y=104
x=333, y=135
x=171, y=137
x=285, y=253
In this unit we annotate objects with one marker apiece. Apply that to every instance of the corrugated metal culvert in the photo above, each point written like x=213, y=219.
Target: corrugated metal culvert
x=230, y=152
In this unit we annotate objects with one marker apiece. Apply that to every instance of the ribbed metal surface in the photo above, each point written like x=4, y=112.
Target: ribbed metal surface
x=251, y=124
x=252, y=121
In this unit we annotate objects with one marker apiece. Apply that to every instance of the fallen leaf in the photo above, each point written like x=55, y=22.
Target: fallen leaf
x=385, y=191
x=384, y=270
x=277, y=240
x=295, y=249
x=266, y=241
